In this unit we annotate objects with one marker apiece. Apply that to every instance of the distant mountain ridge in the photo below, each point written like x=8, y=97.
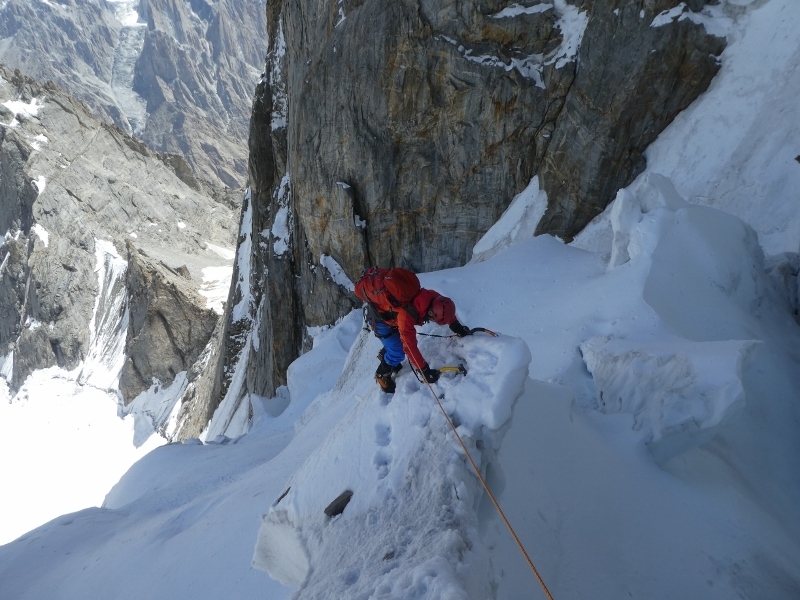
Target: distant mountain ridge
x=104, y=249
x=178, y=75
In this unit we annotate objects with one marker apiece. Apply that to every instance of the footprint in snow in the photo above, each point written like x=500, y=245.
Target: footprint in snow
x=382, y=461
x=382, y=458
x=383, y=434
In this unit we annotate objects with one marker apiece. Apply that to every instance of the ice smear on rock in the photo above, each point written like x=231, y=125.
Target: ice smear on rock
x=109, y=325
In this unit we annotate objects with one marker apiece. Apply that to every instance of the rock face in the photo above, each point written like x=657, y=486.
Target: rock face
x=178, y=74
x=396, y=133
x=168, y=328
x=75, y=195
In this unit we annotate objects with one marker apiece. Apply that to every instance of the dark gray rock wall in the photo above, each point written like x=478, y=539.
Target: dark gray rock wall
x=406, y=128
x=632, y=81
x=16, y=191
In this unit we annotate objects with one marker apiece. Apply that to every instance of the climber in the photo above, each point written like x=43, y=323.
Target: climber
x=395, y=304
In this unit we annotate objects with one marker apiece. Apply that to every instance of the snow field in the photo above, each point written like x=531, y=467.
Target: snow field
x=62, y=447
x=579, y=485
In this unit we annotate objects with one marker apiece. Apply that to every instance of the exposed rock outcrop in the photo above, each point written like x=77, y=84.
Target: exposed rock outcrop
x=396, y=133
x=168, y=326
x=75, y=192
x=178, y=75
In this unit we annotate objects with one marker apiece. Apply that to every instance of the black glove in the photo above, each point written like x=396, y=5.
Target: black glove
x=430, y=375
x=459, y=329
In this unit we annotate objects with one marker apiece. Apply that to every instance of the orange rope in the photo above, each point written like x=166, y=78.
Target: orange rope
x=486, y=487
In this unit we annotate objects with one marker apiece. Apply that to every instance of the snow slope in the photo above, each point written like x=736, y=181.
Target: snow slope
x=62, y=447
x=636, y=419
x=577, y=478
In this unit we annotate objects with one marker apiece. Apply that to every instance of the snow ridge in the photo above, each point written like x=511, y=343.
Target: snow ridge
x=421, y=487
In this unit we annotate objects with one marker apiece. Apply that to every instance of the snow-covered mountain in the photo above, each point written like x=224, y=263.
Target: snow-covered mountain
x=108, y=251
x=636, y=418
x=177, y=75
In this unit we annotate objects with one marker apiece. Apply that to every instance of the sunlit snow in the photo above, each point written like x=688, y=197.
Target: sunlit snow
x=127, y=13
x=215, y=287
x=225, y=253
x=62, y=447
x=636, y=416
x=41, y=233
x=20, y=107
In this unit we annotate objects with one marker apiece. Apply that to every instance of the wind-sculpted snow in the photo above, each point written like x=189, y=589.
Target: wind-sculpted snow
x=702, y=271
x=407, y=474
x=518, y=221
x=722, y=369
x=678, y=392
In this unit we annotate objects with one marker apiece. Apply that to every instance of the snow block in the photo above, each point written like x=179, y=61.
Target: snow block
x=280, y=551
x=679, y=393
x=517, y=223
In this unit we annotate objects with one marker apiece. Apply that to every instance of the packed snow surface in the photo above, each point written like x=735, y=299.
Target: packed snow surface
x=636, y=417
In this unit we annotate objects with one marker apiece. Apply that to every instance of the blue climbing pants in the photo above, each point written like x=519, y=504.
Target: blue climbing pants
x=394, y=347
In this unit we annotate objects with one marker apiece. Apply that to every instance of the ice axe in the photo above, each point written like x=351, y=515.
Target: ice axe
x=484, y=330
x=471, y=331
x=459, y=369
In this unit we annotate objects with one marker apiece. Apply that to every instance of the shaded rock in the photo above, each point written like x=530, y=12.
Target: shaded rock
x=632, y=82
x=61, y=294
x=201, y=399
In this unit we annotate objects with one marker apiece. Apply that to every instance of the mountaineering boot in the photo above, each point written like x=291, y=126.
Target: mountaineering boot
x=386, y=382
x=383, y=375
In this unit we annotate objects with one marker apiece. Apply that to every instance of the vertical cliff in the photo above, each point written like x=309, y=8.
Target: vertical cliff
x=397, y=132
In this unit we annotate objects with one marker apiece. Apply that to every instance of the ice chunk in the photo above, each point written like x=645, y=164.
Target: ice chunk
x=517, y=223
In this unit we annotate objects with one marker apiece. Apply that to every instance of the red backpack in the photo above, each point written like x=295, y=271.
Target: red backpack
x=388, y=288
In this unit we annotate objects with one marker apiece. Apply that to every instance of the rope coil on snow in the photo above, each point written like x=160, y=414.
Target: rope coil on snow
x=488, y=491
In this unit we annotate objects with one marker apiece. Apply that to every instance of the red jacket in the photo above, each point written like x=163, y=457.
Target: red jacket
x=405, y=322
